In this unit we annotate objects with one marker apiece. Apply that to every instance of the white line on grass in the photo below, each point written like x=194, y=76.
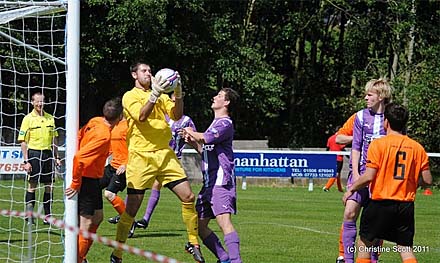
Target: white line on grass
x=314, y=231
x=291, y=226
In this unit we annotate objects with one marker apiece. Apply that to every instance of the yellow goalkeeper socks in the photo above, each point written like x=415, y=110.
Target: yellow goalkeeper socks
x=123, y=228
x=189, y=216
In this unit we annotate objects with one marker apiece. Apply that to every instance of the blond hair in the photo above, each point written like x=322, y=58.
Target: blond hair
x=382, y=87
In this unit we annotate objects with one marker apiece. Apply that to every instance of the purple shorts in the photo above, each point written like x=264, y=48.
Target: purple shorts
x=360, y=196
x=217, y=200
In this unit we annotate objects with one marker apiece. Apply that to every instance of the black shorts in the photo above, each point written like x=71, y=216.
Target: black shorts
x=90, y=197
x=111, y=181
x=339, y=165
x=388, y=220
x=42, y=166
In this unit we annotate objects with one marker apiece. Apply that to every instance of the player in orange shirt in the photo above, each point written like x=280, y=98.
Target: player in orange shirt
x=394, y=165
x=345, y=134
x=88, y=168
x=114, y=173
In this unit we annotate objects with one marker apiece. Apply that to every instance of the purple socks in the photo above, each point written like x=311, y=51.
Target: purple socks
x=152, y=203
x=213, y=244
x=232, y=242
x=348, y=240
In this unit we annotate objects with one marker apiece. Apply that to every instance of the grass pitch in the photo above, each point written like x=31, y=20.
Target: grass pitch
x=275, y=224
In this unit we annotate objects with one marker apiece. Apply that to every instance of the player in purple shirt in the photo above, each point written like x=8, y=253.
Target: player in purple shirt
x=217, y=198
x=177, y=143
x=368, y=125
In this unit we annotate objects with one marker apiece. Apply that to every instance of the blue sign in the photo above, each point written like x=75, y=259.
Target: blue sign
x=285, y=164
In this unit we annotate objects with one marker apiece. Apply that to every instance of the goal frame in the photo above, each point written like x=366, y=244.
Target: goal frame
x=72, y=122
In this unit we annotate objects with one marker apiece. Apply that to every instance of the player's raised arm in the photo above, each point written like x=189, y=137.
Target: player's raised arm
x=195, y=139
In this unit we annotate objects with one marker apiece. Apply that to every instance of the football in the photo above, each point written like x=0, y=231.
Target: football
x=170, y=75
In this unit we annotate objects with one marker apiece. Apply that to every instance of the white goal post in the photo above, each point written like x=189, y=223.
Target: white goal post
x=39, y=52
x=72, y=120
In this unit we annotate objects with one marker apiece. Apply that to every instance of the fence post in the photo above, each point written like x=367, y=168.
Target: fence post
x=243, y=183
x=310, y=184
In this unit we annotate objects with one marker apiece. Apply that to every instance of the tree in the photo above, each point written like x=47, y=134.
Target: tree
x=300, y=66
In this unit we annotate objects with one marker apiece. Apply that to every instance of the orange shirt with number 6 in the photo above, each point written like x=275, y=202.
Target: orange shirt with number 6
x=399, y=161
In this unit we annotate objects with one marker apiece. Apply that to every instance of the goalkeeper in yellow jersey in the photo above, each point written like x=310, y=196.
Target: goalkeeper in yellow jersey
x=149, y=156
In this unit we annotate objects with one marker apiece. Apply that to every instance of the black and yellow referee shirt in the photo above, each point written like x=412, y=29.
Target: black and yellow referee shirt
x=38, y=131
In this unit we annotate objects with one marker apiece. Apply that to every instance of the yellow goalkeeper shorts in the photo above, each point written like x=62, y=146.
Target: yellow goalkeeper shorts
x=145, y=167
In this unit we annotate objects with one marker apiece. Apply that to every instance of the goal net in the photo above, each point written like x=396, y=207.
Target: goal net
x=32, y=59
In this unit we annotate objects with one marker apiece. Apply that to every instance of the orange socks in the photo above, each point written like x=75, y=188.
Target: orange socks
x=83, y=247
x=363, y=260
x=341, y=245
x=93, y=229
x=367, y=260
x=330, y=182
x=85, y=244
x=118, y=204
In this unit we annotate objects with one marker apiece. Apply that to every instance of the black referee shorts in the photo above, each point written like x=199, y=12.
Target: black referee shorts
x=42, y=166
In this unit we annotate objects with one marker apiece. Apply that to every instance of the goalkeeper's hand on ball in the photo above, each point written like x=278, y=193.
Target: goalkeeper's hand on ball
x=178, y=89
x=157, y=88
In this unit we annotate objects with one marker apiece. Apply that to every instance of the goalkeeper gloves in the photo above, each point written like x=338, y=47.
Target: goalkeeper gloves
x=157, y=88
x=178, y=89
